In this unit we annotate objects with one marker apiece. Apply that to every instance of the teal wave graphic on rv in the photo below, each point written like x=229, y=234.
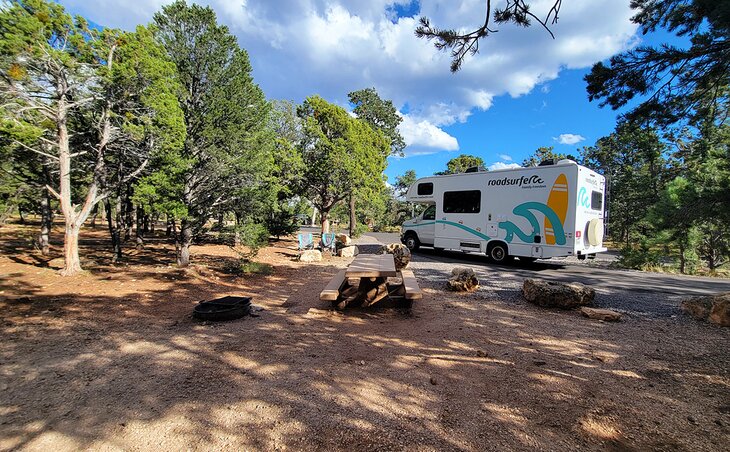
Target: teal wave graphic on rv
x=523, y=210
x=510, y=228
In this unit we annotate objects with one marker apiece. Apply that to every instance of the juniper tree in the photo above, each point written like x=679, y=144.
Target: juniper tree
x=54, y=70
x=227, y=151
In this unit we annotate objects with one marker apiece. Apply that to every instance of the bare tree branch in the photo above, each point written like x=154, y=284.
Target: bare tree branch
x=463, y=44
x=35, y=150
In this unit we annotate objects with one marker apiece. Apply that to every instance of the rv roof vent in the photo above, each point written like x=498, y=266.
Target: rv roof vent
x=567, y=162
x=547, y=162
x=475, y=169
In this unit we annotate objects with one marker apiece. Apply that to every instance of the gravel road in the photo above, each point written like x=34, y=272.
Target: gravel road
x=632, y=292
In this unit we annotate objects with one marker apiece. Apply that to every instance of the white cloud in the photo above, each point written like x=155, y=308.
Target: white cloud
x=501, y=165
x=423, y=137
x=505, y=157
x=569, y=138
x=331, y=47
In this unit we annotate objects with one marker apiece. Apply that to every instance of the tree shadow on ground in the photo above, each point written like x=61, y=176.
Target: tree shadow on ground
x=455, y=373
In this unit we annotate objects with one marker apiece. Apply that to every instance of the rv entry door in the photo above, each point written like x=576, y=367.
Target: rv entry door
x=428, y=226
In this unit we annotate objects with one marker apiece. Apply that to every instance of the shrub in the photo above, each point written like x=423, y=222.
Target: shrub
x=249, y=239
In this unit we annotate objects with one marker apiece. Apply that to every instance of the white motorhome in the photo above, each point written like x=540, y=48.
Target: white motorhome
x=536, y=212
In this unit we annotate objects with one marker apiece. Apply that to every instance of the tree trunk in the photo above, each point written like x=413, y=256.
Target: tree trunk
x=93, y=216
x=20, y=212
x=682, y=259
x=182, y=243
x=113, y=222
x=169, y=227
x=46, y=223
x=353, y=220
x=72, y=263
x=325, y=221
x=139, y=233
x=128, y=213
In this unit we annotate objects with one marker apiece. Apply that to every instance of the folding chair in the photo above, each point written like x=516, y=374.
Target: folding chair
x=306, y=242
x=329, y=242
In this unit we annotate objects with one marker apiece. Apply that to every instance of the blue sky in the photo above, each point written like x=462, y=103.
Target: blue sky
x=523, y=90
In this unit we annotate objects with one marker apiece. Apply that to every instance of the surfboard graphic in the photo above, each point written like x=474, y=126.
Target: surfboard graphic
x=558, y=201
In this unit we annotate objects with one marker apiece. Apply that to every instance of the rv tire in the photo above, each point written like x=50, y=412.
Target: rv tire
x=411, y=241
x=497, y=253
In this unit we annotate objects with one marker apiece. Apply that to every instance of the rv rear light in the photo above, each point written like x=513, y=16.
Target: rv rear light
x=577, y=234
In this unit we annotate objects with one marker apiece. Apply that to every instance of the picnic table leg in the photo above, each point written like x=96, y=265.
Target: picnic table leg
x=348, y=294
x=373, y=290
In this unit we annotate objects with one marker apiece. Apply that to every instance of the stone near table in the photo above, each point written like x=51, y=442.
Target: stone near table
x=463, y=280
x=401, y=254
x=606, y=315
x=310, y=256
x=713, y=308
x=347, y=251
x=554, y=294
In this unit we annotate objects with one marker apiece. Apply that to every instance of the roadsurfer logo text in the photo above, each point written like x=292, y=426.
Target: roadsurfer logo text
x=521, y=181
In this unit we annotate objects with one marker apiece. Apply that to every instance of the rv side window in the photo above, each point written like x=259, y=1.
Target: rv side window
x=430, y=213
x=425, y=189
x=468, y=201
x=597, y=200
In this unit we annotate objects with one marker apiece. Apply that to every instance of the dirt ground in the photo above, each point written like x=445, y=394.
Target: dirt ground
x=112, y=359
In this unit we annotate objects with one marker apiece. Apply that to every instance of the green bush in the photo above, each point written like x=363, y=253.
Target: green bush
x=281, y=223
x=245, y=267
x=639, y=257
x=249, y=239
x=360, y=229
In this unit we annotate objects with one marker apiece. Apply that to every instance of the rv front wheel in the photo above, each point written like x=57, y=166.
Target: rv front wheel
x=498, y=253
x=412, y=242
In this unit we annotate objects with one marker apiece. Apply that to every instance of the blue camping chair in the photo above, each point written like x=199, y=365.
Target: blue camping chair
x=328, y=242
x=306, y=242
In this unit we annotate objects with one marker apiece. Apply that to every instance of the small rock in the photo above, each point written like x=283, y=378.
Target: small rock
x=697, y=307
x=347, y=251
x=433, y=381
x=310, y=256
x=539, y=363
x=605, y=315
x=463, y=280
x=481, y=354
x=362, y=363
x=692, y=420
x=557, y=294
x=713, y=308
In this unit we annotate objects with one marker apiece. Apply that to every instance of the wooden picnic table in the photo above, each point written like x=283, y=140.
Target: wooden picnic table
x=372, y=266
x=372, y=271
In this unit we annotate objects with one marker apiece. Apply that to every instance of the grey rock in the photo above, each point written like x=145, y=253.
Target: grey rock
x=463, y=280
x=310, y=256
x=555, y=294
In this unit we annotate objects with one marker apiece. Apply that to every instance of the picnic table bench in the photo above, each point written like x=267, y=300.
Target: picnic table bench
x=366, y=281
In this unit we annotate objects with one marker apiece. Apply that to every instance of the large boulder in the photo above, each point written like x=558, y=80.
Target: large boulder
x=463, y=280
x=310, y=256
x=555, y=294
x=401, y=254
x=713, y=308
x=606, y=315
x=347, y=251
